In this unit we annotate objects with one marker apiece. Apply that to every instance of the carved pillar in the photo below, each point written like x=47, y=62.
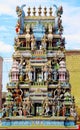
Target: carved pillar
x=50, y=12
x=34, y=11
x=42, y=75
x=39, y=12
x=45, y=11
x=29, y=11
x=34, y=74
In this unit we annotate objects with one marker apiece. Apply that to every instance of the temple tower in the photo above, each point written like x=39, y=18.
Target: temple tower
x=39, y=80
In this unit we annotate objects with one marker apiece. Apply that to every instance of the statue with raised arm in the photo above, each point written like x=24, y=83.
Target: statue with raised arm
x=58, y=21
x=20, y=23
x=59, y=10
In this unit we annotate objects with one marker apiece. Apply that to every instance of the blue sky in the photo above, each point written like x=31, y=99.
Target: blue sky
x=70, y=18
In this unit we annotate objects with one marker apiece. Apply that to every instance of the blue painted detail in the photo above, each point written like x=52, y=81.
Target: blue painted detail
x=69, y=123
x=37, y=122
x=39, y=31
x=1, y=114
x=20, y=123
x=54, y=123
x=6, y=123
x=65, y=84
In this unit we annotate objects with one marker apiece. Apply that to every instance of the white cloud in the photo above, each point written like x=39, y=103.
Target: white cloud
x=71, y=20
x=70, y=17
x=5, y=48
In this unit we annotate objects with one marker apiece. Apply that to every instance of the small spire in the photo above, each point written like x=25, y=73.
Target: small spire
x=34, y=11
x=39, y=12
x=29, y=11
x=50, y=11
x=45, y=11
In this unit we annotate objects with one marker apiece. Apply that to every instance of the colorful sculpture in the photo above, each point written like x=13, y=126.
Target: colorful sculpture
x=39, y=80
x=20, y=23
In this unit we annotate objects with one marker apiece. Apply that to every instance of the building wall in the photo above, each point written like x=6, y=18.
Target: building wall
x=73, y=65
x=1, y=68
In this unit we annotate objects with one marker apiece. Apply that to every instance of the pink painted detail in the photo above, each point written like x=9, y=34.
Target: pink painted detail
x=14, y=72
x=62, y=71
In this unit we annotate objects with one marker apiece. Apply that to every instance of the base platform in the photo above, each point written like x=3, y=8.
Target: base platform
x=44, y=121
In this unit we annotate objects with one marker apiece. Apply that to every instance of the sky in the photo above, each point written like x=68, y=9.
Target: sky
x=8, y=18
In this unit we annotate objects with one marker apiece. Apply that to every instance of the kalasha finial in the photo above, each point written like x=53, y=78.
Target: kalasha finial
x=29, y=11
x=45, y=11
x=50, y=12
x=34, y=11
x=39, y=12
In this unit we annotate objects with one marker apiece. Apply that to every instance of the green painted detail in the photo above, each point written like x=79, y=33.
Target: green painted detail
x=38, y=86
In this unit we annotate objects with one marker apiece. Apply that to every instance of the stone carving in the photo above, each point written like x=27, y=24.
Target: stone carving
x=50, y=36
x=59, y=10
x=33, y=42
x=44, y=42
x=46, y=107
x=20, y=23
x=28, y=105
x=27, y=36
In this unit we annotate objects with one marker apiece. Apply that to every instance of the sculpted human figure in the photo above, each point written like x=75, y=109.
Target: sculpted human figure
x=32, y=42
x=46, y=106
x=18, y=95
x=50, y=36
x=28, y=105
x=28, y=37
x=44, y=41
x=20, y=23
x=53, y=109
x=59, y=10
x=24, y=109
x=45, y=73
x=20, y=111
x=27, y=78
x=22, y=67
x=63, y=110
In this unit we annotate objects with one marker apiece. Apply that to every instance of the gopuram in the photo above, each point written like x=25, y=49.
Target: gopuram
x=39, y=91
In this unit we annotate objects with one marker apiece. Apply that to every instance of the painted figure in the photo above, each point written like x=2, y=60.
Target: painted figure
x=20, y=23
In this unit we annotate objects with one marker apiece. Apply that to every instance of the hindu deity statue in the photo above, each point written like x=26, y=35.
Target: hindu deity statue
x=44, y=42
x=33, y=42
x=20, y=24
x=18, y=94
x=28, y=105
x=46, y=108
x=50, y=36
x=28, y=37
